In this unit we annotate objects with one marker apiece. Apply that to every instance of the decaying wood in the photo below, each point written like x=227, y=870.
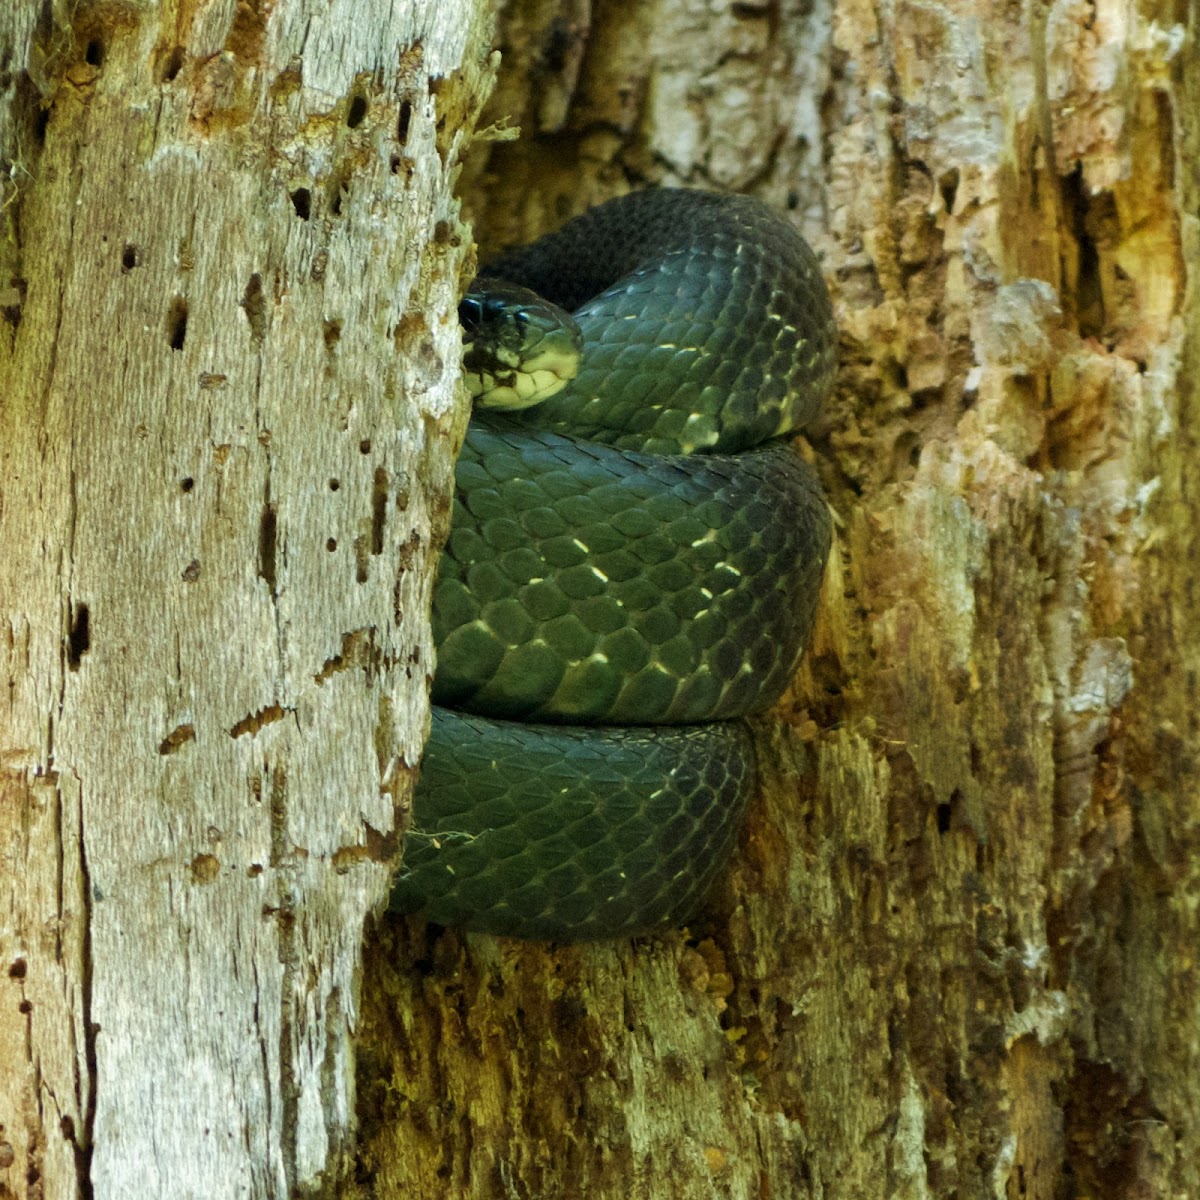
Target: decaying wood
x=956, y=954
x=229, y=408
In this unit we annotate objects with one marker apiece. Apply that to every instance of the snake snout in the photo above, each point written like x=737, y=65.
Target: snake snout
x=518, y=349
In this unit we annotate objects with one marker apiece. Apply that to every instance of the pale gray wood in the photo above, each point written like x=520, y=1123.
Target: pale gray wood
x=229, y=414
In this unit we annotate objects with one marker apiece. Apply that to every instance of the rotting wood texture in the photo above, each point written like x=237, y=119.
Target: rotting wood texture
x=956, y=954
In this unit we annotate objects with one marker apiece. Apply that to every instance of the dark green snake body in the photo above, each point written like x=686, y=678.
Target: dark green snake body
x=648, y=569
x=571, y=832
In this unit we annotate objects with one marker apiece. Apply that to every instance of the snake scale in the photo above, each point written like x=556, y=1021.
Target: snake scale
x=633, y=566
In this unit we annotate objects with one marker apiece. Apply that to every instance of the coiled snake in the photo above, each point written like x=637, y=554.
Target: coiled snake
x=634, y=551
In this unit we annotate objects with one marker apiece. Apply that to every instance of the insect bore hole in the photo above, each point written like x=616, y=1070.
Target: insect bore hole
x=173, y=65
x=177, y=320
x=79, y=639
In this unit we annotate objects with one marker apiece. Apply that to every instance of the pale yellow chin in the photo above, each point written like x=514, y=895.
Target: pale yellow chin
x=511, y=390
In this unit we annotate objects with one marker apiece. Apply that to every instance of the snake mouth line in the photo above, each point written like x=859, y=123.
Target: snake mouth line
x=498, y=379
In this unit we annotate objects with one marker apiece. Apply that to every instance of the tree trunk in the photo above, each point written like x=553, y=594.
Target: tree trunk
x=955, y=954
x=228, y=394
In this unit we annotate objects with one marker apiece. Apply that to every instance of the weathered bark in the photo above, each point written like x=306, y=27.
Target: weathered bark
x=956, y=954
x=228, y=396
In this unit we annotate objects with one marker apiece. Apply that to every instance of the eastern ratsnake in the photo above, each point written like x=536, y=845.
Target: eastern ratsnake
x=635, y=551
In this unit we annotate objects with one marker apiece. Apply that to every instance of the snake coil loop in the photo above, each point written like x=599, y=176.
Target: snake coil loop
x=636, y=551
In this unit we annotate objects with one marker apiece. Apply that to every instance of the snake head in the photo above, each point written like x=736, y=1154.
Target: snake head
x=518, y=349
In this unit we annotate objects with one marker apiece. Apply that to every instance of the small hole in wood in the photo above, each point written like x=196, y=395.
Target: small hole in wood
x=379, y=495
x=404, y=121
x=267, y=532
x=948, y=186
x=358, y=110
x=255, y=307
x=177, y=320
x=334, y=484
x=364, y=447
x=11, y=311
x=129, y=257
x=187, y=483
x=173, y=65
x=79, y=640
x=94, y=53
x=331, y=544
x=178, y=737
x=302, y=203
